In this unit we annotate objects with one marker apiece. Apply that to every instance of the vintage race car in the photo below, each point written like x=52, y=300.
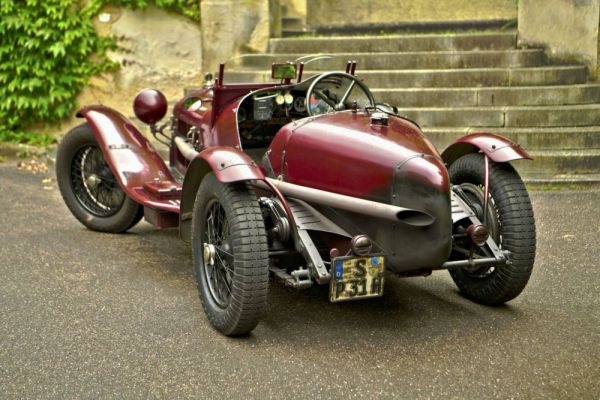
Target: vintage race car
x=308, y=181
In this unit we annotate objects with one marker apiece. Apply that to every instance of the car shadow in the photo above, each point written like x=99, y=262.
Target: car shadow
x=412, y=309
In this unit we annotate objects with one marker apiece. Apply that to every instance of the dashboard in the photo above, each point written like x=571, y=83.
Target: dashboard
x=273, y=104
x=261, y=114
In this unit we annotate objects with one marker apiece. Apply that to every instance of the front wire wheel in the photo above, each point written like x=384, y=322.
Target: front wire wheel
x=231, y=259
x=510, y=222
x=216, y=254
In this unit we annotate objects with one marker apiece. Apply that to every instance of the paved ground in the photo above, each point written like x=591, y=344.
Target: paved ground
x=88, y=315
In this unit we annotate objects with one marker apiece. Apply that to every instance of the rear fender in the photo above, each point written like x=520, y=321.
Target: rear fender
x=497, y=148
x=227, y=163
x=131, y=157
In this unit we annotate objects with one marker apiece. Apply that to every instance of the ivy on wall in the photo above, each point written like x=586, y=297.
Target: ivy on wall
x=189, y=8
x=48, y=51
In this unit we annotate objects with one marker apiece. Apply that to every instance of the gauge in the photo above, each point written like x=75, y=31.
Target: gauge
x=289, y=99
x=263, y=108
x=318, y=106
x=279, y=99
x=299, y=104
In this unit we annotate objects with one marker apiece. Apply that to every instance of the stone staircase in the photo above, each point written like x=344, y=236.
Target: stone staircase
x=293, y=24
x=462, y=82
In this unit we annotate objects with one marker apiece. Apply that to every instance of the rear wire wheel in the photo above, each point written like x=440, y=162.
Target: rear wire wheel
x=88, y=186
x=231, y=259
x=511, y=224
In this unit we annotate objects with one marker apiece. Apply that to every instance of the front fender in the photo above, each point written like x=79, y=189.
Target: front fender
x=131, y=157
x=227, y=163
x=497, y=148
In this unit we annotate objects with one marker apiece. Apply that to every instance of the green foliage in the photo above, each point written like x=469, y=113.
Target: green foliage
x=36, y=139
x=48, y=51
x=189, y=8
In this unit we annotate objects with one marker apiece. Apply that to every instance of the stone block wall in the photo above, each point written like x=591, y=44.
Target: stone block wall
x=233, y=27
x=568, y=29
x=361, y=12
x=156, y=49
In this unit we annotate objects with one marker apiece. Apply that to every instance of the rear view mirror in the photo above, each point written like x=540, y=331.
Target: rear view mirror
x=283, y=71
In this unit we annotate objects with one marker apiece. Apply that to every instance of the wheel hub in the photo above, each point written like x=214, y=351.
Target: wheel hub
x=476, y=197
x=209, y=254
x=92, y=181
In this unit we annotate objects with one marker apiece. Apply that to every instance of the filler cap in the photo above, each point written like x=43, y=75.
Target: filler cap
x=379, y=119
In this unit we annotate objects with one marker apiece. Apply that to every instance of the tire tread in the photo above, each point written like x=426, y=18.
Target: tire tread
x=248, y=301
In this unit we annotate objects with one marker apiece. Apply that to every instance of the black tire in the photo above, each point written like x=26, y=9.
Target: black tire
x=510, y=202
x=78, y=158
x=233, y=280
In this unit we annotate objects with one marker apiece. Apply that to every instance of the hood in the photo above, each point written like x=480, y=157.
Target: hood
x=346, y=153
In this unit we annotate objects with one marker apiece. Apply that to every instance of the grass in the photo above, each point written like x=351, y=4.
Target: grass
x=554, y=187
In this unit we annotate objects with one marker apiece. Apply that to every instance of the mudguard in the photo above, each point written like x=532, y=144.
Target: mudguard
x=131, y=157
x=227, y=163
x=497, y=148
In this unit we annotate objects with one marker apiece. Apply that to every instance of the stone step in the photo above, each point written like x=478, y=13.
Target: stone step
x=526, y=116
x=560, y=162
x=490, y=96
x=552, y=166
x=562, y=181
x=463, y=77
x=531, y=139
x=371, y=28
x=395, y=43
x=291, y=23
x=406, y=60
x=288, y=33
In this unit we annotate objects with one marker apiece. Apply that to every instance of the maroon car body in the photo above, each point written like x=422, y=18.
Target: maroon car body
x=363, y=173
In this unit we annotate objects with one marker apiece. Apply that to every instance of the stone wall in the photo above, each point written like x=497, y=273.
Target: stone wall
x=233, y=27
x=169, y=52
x=295, y=7
x=156, y=49
x=361, y=12
x=568, y=29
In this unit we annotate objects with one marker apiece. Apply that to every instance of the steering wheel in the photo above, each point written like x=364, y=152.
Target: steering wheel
x=335, y=101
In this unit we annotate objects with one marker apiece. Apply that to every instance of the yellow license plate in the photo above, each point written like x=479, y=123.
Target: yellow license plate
x=355, y=278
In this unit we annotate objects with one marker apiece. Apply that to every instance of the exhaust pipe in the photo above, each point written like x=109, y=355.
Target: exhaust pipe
x=352, y=204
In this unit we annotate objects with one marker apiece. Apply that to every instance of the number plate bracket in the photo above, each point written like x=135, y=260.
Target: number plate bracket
x=354, y=278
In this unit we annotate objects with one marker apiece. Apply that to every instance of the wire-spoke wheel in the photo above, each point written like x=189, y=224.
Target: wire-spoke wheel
x=475, y=196
x=510, y=222
x=89, y=187
x=94, y=184
x=231, y=259
x=218, y=261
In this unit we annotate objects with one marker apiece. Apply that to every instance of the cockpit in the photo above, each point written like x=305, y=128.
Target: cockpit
x=262, y=113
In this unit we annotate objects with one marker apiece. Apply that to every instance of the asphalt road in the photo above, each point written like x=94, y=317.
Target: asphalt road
x=91, y=315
